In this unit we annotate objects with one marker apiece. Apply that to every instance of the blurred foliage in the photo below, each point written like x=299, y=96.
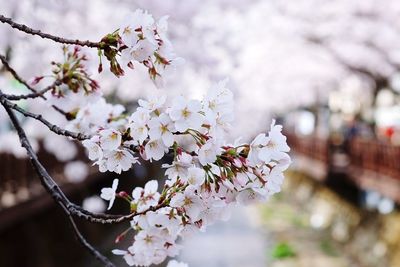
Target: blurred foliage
x=283, y=251
x=328, y=248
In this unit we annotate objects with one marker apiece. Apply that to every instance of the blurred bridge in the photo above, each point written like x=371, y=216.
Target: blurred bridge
x=22, y=195
x=368, y=163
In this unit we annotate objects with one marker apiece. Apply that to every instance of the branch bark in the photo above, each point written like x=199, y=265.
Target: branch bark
x=28, y=30
x=52, y=127
x=34, y=95
x=53, y=188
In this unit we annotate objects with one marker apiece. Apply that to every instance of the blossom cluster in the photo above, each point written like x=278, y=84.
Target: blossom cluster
x=144, y=40
x=205, y=178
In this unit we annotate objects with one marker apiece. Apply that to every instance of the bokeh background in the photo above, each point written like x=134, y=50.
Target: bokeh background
x=329, y=71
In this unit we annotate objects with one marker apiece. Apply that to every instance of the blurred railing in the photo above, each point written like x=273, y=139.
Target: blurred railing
x=21, y=193
x=374, y=156
x=371, y=164
x=314, y=147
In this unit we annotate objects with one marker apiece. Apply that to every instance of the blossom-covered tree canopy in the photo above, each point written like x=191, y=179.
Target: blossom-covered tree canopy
x=269, y=49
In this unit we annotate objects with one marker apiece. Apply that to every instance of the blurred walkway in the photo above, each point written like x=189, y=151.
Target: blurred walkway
x=238, y=242
x=307, y=225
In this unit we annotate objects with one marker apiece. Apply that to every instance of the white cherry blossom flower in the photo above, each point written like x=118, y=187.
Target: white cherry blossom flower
x=110, y=139
x=138, y=20
x=208, y=152
x=108, y=193
x=146, y=197
x=126, y=254
x=155, y=149
x=195, y=176
x=139, y=132
x=257, y=147
x=119, y=160
x=162, y=128
x=277, y=141
x=94, y=150
x=142, y=50
x=185, y=159
x=219, y=99
x=155, y=102
x=175, y=170
x=251, y=196
x=140, y=116
x=189, y=201
x=147, y=240
x=186, y=114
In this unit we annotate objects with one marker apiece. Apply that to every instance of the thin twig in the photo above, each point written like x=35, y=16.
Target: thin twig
x=28, y=30
x=54, y=128
x=59, y=197
x=3, y=59
x=55, y=190
x=52, y=187
x=87, y=245
x=34, y=95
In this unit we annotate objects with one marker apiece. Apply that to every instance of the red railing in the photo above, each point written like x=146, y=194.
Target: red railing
x=375, y=156
x=311, y=146
x=367, y=154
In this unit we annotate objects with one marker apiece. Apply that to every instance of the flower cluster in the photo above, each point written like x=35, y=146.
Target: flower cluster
x=186, y=127
x=205, y=178
x=144, y=40
x=140, y=39
x=72, y=73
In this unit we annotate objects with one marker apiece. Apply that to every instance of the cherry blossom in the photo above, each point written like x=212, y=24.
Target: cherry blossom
x=155, y=149
x=162, y=128
x=94, y=150
x=110, y=139
x=146, y=197
x=185, y=114
x=108, y=193
x=206, y=177
x=208, y=152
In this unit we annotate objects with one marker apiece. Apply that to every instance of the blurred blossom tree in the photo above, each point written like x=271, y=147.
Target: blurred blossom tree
x=269, y=48
x=207, y=175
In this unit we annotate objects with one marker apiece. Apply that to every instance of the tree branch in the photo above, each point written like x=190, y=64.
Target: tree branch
x=51, y=186
x=34, y=95
x=28, y=30
x=85, y=243
x=54, y=190
x=54, y=128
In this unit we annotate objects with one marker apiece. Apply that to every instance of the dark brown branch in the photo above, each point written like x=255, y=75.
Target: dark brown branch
x=28, y=30
x=59, y=197
x=54, y=128
x=34, y=95
x=51, y=186
x=3, y=59
x=85, y=243
x=54, y=189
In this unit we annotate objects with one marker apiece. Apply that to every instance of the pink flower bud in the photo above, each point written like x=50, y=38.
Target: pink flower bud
x=36, y=80
x=123, y=194
x=238, y=163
